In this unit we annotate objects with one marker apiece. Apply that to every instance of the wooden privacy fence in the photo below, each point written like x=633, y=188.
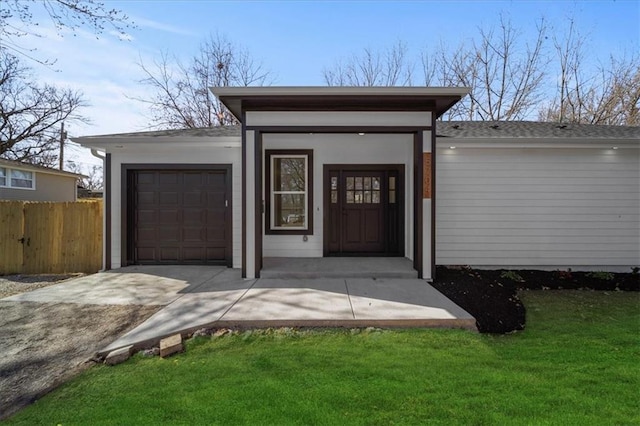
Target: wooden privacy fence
x=50, y=238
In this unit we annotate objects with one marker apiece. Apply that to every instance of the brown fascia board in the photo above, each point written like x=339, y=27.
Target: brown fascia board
x=438, y=99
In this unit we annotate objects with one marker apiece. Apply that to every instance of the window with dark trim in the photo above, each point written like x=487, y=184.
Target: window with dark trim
x=289, y=191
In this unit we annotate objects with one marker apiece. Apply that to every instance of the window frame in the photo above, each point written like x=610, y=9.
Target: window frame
x=270, y=155
x=8, y=177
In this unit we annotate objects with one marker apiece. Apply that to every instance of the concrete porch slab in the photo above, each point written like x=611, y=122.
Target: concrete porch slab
x=293, y=299
x=378, y=299
x=338, y=267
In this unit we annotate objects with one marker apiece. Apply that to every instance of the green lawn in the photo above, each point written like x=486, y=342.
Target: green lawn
x=577, y=363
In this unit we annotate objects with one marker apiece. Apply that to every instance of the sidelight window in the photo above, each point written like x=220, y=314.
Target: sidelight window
x=289, y=191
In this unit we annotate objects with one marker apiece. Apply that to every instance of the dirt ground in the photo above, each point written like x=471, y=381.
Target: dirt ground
x=45, y=344
x=491, y=296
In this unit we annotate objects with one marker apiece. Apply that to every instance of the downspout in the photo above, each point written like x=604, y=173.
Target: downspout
x=96, y=154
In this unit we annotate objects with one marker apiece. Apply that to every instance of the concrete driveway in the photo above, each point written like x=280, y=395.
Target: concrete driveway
x=208, y=296
x=182, y=299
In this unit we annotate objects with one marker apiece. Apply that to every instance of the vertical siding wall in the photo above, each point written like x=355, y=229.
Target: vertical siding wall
x=542, y=208
x=176, y=154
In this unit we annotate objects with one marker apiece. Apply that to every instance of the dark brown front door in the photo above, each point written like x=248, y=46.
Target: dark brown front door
x=363, y=210
x=179, y=217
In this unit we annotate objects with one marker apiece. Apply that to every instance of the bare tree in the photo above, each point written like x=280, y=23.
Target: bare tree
x=16, y=20
x=387, y=67
x=504, y=74
x=182, y=98
x=607, y=94
x=31, y=114
x=92, y=175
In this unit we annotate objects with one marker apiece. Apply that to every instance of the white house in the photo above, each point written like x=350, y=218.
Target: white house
x=344, y=171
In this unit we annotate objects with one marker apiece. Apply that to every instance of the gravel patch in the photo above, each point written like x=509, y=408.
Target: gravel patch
x=46, y=344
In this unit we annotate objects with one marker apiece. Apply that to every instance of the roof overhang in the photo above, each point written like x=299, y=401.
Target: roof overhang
x=112, y=143
x=437, y=99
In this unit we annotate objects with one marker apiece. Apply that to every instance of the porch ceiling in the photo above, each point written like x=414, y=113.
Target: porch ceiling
x=437, y=99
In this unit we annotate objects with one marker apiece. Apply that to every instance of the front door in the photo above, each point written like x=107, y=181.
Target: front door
x=364, y=205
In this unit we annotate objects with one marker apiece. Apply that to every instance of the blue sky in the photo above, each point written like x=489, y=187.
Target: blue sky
x=295, y=39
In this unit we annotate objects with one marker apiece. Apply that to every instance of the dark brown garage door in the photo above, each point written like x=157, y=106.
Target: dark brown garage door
x=180, y=216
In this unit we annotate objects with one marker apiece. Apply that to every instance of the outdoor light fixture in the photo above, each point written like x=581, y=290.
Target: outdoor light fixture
x=614, y=147
x=452, y=147
x=360, y=134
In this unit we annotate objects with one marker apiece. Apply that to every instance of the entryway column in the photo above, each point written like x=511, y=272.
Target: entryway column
x=249, y=203
x=427, y=195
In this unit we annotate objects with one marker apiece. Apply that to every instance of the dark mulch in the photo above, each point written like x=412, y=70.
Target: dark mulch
x=491, y=296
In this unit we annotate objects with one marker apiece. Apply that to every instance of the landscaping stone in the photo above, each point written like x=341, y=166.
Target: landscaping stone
x=221, y=332
x=171, y=345
x=201, y=332
x=118, y=356
x=151, y=352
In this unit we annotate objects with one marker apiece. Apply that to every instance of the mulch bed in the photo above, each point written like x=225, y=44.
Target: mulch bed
x=491, y=296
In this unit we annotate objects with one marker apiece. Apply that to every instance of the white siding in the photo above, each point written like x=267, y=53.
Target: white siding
x=318, y=118
x=175, y=154
x=543, y=208
x=340, y=149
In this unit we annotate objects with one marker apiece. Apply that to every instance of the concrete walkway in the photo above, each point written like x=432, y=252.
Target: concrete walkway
x=206, y=296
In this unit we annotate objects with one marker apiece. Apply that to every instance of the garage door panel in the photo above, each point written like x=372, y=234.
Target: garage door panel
x=193, y=234
x=169, y=254
x=216, y=181
x=215, y=252
x=145, y=178
x=168, y=216
x=194, y=179
x=145, y=254
x=146, y=197
x=193, y=198
x=194, y=216
x=168, y=178
x=216, y=216
x=180, y=216
x=169, y=234
x=146, y=216
x=216, y=198
x=168, y=198
x=146, y=234
x=192, y=254
x=216, y=234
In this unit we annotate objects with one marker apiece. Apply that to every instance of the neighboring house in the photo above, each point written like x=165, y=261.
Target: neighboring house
x=343, y=171
x=26, y=182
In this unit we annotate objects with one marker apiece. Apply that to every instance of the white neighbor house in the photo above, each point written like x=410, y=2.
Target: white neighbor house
x=345, y=171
